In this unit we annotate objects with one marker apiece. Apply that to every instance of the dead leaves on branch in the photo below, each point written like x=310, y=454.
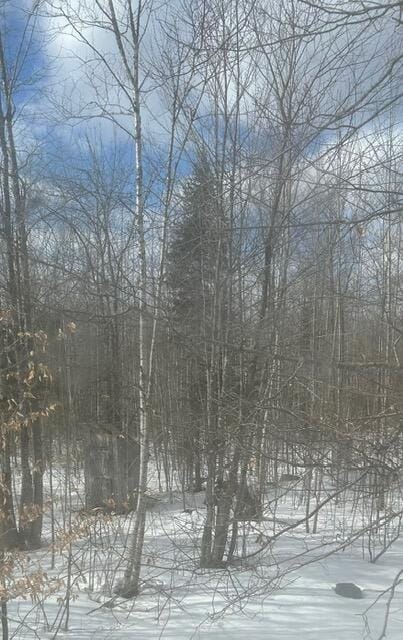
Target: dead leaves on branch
x=37, y=373
x=35, y=585
x=18, y=420
x=70, y=328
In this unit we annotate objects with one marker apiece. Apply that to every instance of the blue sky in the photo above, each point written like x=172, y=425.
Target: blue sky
x=58, y=80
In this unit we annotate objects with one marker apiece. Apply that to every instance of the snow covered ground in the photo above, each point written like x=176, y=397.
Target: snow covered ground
x=284, y=593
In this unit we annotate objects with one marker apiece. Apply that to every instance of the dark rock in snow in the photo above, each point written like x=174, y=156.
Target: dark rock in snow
x=348, y=590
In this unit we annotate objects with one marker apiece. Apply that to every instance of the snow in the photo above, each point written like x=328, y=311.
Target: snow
x=284, y=593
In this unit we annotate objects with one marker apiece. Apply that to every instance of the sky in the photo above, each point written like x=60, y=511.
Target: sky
x=61, y=89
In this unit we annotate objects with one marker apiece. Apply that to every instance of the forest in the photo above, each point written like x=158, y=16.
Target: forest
x=201, y=319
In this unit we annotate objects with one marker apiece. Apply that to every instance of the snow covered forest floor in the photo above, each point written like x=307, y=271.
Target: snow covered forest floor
x=282, y=589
